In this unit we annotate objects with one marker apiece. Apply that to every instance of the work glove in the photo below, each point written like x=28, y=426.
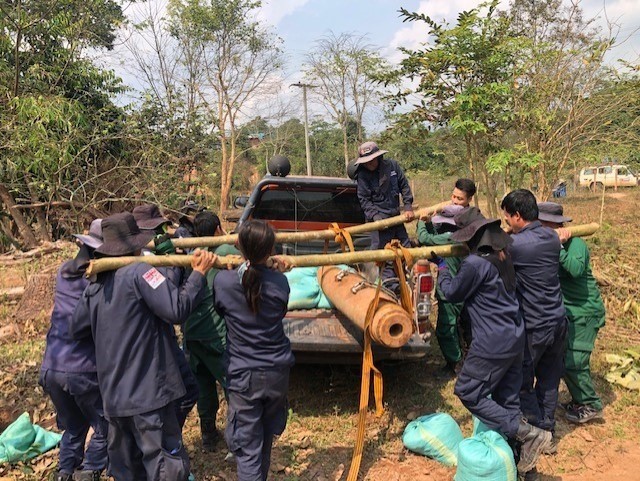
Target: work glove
x=438, y=261
x=163, y=245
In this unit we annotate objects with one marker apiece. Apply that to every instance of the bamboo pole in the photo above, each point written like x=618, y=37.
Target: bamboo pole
x=193, y=242
x=381, y=255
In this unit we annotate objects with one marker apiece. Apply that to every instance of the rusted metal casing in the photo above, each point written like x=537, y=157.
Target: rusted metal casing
x=351, y=294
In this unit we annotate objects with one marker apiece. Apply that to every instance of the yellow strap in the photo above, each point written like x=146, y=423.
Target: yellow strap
x=343, y=237
x=402, y=255
x=367, y=369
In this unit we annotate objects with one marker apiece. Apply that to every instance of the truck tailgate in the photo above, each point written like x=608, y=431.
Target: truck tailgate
x=327, y=336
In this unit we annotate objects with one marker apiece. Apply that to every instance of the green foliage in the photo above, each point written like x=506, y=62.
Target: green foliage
x=465, y=84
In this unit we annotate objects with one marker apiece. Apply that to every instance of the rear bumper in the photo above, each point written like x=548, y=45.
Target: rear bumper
x=327, y=337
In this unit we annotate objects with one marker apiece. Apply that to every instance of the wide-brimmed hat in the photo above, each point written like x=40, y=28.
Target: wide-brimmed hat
x=94, y=238
x=121, y=235
x=446, y=216
x=469, y=221
x=367, y=152
x=189, y=210
x=148, y=217
x=552, y=212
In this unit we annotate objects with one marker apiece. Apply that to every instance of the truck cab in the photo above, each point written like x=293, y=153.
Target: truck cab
x=297, y=203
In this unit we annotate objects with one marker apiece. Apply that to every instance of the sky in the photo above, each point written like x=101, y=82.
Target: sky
x=300, y=23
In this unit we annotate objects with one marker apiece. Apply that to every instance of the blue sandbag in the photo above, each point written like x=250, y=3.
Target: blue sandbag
x=305, y=289
x=485, y=457
x=434, y=435
x=480, y=427
x=22, y=440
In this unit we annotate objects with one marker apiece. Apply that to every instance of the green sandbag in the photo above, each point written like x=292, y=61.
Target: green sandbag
x=479, y=426
x=22, y=440
x=485, y=457
x=305, y=291
x=434, y=435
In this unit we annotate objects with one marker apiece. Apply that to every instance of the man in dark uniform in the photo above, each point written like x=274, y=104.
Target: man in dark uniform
x=489, y=382
x=381, y=182
x=129, y=313
x=149, y=218
x=68, y=373
x=434, y=233
x=536, y=254
x=205, y=335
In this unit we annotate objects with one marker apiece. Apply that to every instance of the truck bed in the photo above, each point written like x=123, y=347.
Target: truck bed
x=327, y=336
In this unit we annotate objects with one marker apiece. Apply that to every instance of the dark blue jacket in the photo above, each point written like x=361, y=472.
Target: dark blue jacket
x=130, y=313
x=254, y=341
x=379, y=191
x=62, y=352
x=536, y=258
x=498, y=332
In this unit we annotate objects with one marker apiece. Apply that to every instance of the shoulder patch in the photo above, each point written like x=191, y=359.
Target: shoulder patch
x=393, y=172
x=153, y=277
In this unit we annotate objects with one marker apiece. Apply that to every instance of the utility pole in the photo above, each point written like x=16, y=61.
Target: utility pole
x=306, y=122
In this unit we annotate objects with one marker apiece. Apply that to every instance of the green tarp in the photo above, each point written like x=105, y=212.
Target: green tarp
x=22, y=440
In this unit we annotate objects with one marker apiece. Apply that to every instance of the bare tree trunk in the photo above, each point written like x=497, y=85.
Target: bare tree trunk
x=472, y=166
x=28, y=238
x=5, y=228
x=42, y=226
x=346, y=144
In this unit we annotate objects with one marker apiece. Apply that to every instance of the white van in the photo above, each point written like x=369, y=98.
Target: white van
x=607, y=176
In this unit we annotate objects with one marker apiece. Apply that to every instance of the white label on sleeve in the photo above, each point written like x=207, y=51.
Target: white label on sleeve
x=153, y=278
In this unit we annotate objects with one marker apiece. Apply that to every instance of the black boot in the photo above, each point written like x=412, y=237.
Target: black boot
x=85, y=475
x=534, y=441
x=529, y=476
x=209, y=434
x=58, y=476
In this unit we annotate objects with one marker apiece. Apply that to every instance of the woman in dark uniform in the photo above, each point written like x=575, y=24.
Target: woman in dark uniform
x=253, y=301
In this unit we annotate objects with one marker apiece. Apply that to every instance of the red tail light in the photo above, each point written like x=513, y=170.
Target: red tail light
x=425, y=283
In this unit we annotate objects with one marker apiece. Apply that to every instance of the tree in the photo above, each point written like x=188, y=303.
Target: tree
x=56, y=116
x=237, y=59
x=565, y=97
x=464, y=83
x=345, y=70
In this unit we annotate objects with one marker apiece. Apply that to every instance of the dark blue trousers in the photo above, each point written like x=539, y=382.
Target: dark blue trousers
x=381, y=238
x=148, y=447
x=78, y=404
x=257, y=412
x=489, y=388
x=542, y=369
x=184, y=405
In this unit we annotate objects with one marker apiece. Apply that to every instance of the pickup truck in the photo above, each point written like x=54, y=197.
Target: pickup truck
x=298, y=203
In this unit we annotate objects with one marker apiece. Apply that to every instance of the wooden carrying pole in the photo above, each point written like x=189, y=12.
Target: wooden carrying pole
x=193, y=242
x=453, y=250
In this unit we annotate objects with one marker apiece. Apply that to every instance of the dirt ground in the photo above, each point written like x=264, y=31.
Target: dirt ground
x=318, y=441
